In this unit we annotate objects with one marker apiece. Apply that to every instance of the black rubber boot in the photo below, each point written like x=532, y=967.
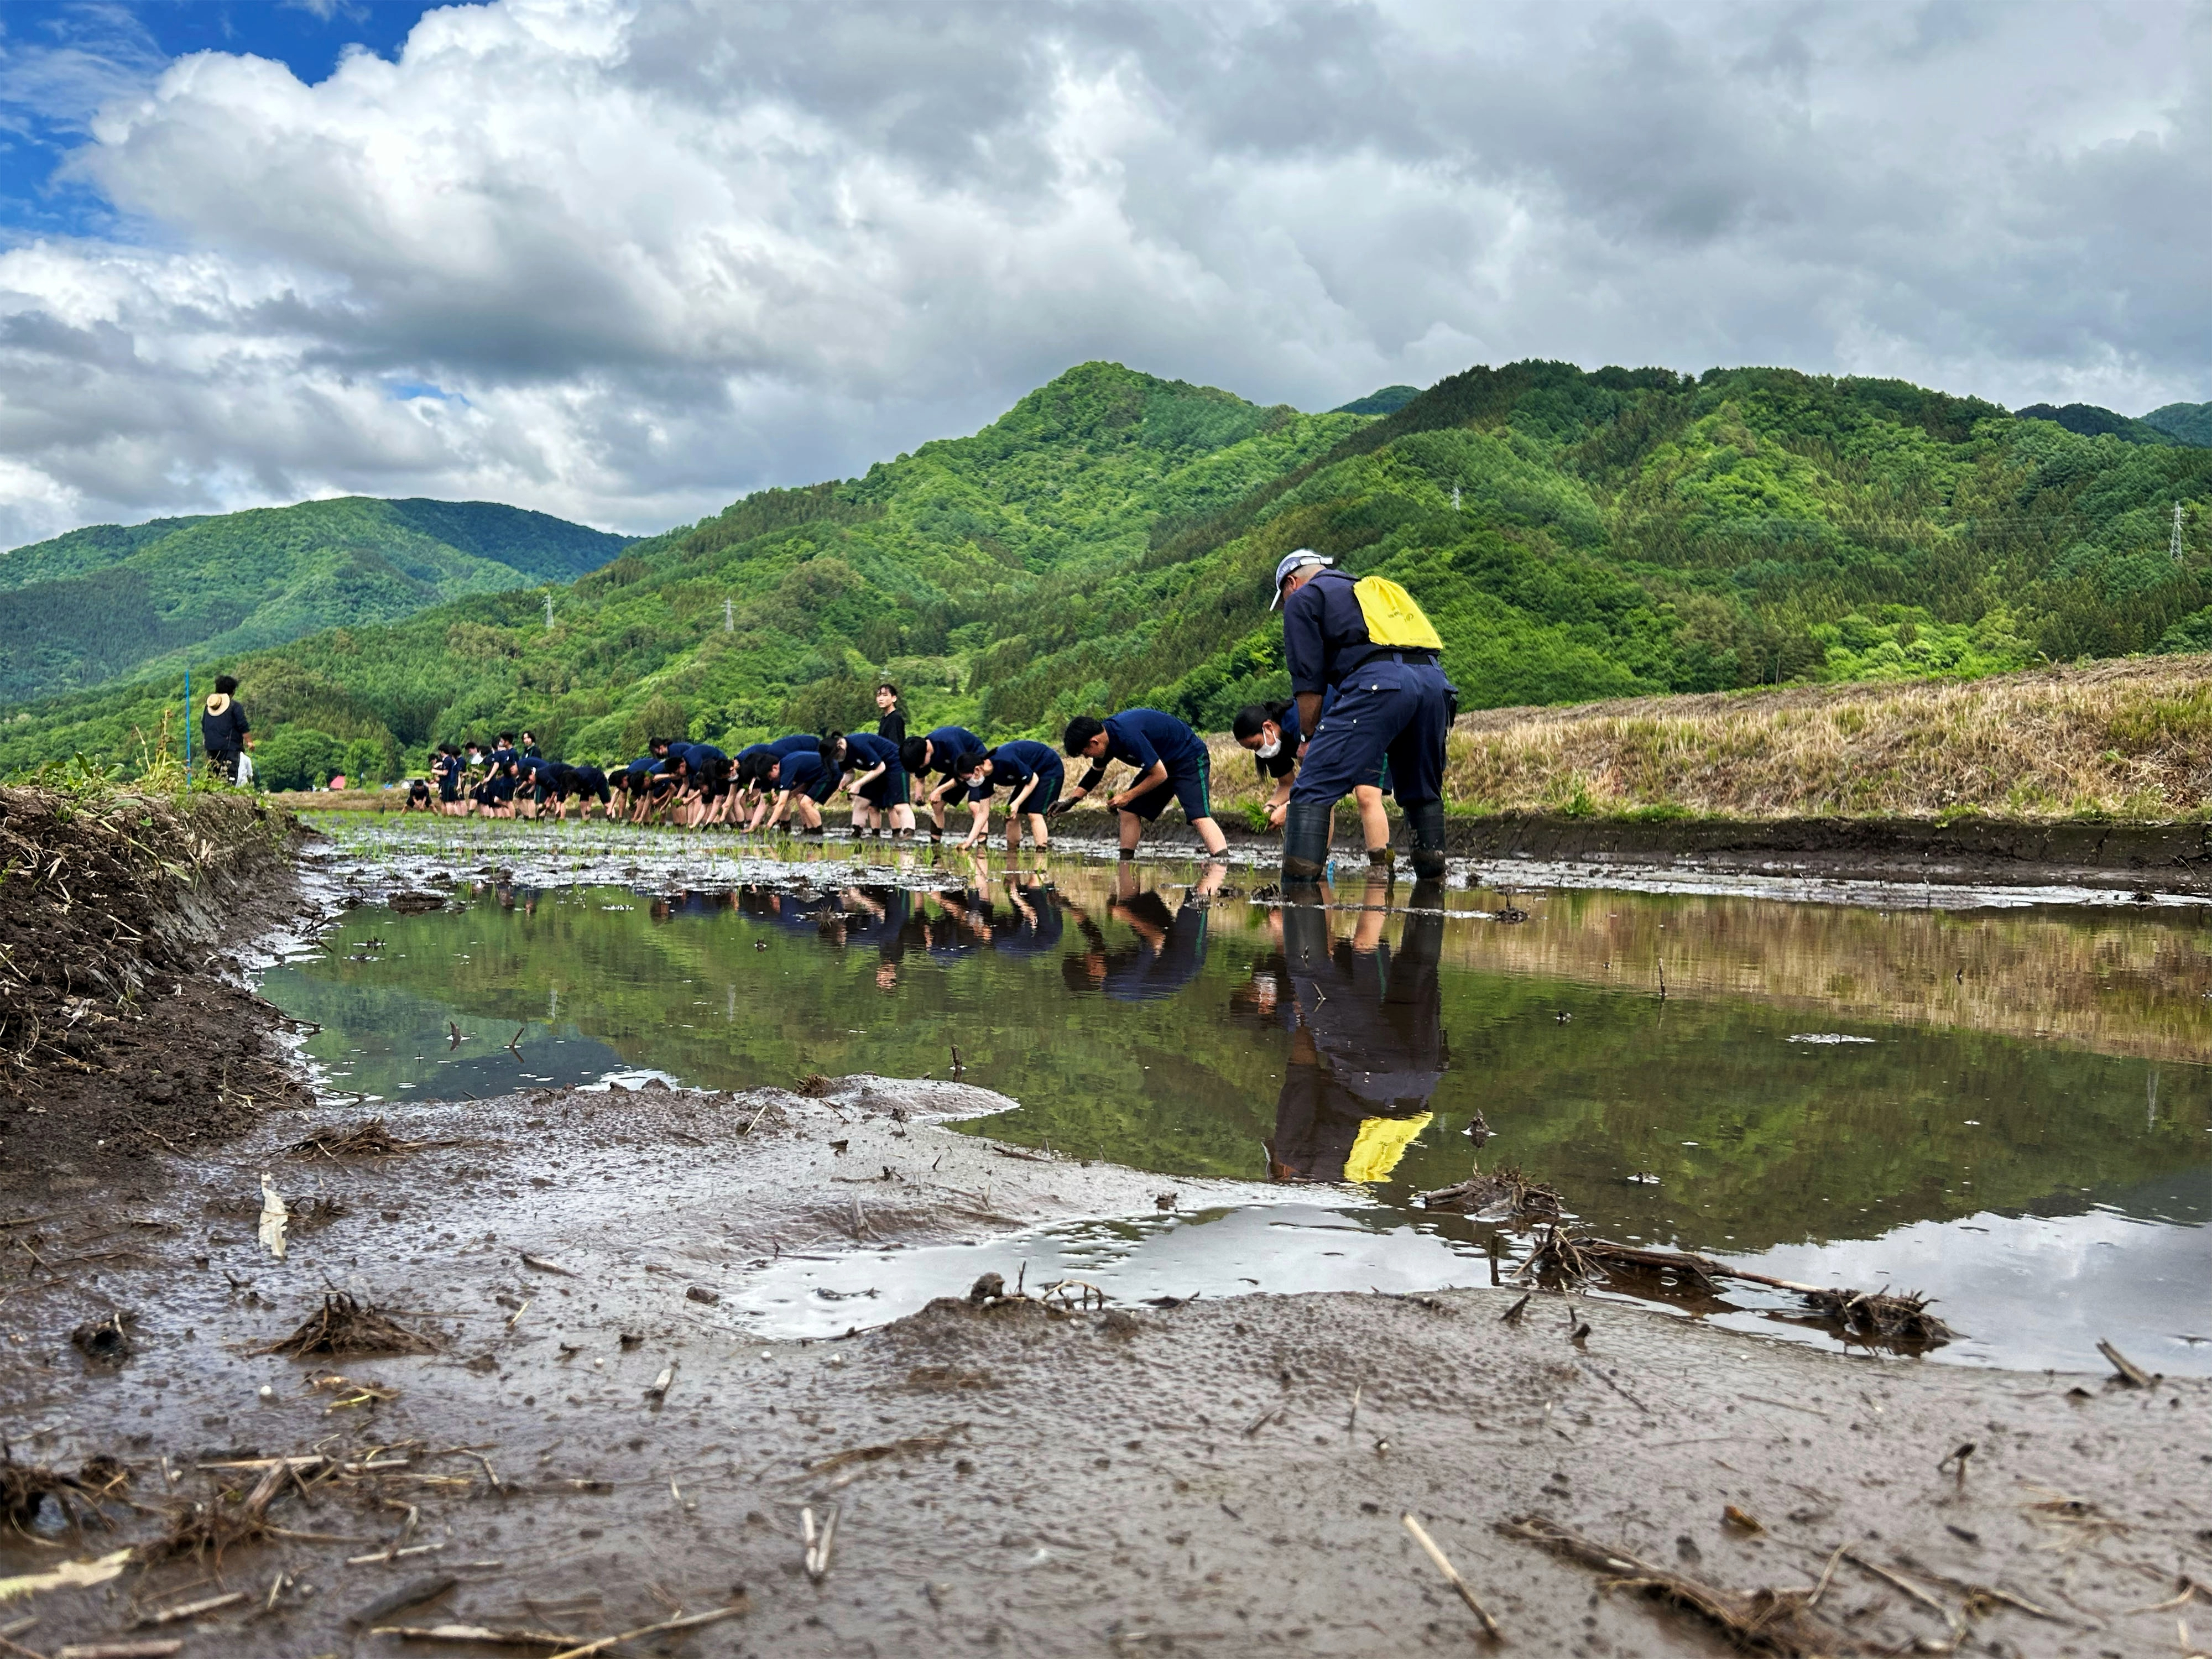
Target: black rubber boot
x=1305, y=842
x=1425, y=823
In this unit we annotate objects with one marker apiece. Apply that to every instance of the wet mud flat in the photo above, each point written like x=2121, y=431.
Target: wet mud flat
x=587, y=1441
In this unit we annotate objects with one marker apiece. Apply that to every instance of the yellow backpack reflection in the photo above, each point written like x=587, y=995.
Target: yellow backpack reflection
x=1392, y=618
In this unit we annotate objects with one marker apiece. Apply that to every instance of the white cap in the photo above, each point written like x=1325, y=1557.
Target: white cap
x=1297, y=561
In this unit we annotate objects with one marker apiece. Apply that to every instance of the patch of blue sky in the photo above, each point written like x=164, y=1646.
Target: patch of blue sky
x=60, y=60
x=408, y=391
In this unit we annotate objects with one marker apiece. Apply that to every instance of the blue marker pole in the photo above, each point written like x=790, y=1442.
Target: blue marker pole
x=188, y=722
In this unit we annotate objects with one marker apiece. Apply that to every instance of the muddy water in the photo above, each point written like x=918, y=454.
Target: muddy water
x=2007, y=1109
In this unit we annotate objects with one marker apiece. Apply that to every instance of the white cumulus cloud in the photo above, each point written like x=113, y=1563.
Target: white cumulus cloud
x=623, y=259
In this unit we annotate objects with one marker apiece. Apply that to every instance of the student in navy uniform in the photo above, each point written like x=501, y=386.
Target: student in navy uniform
x=891, y=725
x=877, y=782
x=534, y=782
x=1392, y=701
x=530, y=746
x=223, y=732
x=446, y=768
x=1170, y=763
x=765, y=775
x=580, y=784
x=418, y=796
x=1032, y=771
x=934, y=755
x=802, y=780
x=495, y=796
x=1271, y=731
x=1368, y=1048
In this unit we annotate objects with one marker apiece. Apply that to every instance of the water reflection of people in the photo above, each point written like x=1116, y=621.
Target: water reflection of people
x=1368, y=1048
x=1169, y=948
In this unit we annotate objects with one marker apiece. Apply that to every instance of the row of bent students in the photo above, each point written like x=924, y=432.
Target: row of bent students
x=884, y=773
x=1369, y=700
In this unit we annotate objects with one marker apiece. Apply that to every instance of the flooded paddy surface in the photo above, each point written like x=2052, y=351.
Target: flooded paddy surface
x=2005, y=1108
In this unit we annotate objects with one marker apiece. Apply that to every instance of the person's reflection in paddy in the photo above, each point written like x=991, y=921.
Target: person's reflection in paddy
x=1368, y=1048
x=1170, y=946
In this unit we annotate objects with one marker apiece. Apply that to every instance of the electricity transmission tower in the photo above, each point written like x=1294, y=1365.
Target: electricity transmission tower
x=549, y=613
x=729, y=618
x=2176, y=544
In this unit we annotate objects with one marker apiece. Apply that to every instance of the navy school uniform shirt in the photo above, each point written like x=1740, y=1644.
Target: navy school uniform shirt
x=948, y=743
x=864, y=751
x=1013, y=764
x=802, y=768
x=797, y=743
x=892, y=726
x=1138, y=737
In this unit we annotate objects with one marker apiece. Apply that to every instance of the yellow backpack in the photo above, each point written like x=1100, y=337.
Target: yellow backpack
x=1392, y=618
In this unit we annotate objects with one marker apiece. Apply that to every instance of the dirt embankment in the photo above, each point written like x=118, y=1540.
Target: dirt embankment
x=120, y=1032
x=594, y=1443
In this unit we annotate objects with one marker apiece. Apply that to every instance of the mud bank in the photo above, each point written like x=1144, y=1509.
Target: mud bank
x=597, y=1443
x=1816, y=857
x=123, y=1016
x=2162, y=858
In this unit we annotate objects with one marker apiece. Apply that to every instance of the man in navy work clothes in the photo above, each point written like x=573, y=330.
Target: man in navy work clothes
x=935, y=753
x=1027, y=768
x=1391, y=701
x=1171, y=764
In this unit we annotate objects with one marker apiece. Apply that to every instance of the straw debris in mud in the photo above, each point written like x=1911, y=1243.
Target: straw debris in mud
x=1779, y=1622
x=366, y=1138
x=1505, y=1188
x=344, y=1324
x=1902, y=1319
x=25, y=1487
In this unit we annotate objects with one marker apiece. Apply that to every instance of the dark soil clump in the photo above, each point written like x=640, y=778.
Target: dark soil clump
x=117, y=1037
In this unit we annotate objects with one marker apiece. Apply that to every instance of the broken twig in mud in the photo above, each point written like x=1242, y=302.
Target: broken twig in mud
x=687, y=1622
x=920, y=1443
x=816, y=1556
x=2132, y=1375
x=1451, y=1575
x=1778, y=1622
x=479, y=1634
x=345, y=1326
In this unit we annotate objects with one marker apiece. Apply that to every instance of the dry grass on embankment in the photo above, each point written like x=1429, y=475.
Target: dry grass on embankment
x=2128, y=739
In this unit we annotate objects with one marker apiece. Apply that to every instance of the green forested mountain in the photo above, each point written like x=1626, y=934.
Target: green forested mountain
x=2191, y=423
x=114, y=601
x=1574, y=535
x=2095, y=421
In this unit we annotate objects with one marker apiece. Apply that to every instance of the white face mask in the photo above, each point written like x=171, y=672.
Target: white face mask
x=1269, y=751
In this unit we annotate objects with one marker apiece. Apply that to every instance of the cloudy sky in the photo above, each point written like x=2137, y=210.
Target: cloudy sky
x=624, y=259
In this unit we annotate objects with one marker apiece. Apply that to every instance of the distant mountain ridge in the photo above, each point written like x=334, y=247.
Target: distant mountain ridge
x=115, y=601
x=2191, y=423
x=2187, y=424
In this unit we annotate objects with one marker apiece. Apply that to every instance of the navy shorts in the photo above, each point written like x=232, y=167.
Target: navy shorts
x=1186, y=787
x=887, y=791
x=823, y=786
x=1398, y=712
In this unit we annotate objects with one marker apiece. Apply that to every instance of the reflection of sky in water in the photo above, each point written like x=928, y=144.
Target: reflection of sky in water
x=2030, y=1293
x=1920, y=1080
